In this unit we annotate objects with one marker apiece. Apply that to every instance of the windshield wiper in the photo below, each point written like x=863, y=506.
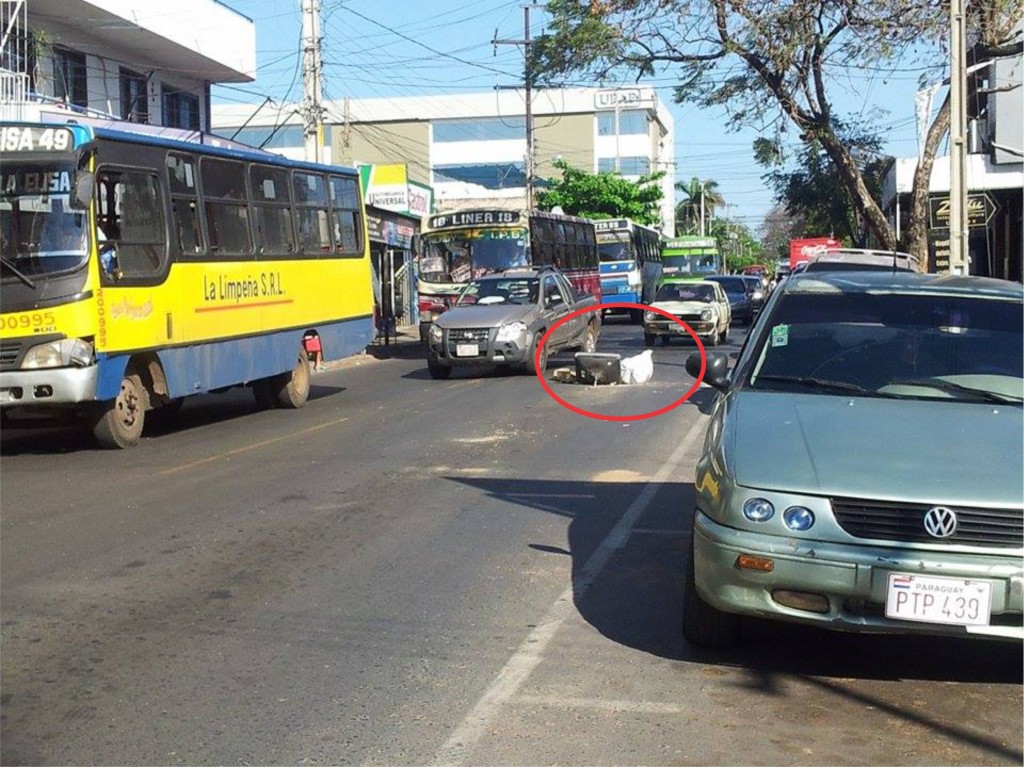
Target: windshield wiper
x=9, y=264
x=955, y=388
x=817, y=383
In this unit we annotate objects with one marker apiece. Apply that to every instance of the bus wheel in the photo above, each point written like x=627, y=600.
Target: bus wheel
x=589, y=339
x=119, y=425
x=291, y=390
x=649, y=339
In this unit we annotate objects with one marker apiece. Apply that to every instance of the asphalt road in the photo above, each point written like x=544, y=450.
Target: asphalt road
x=410, y=571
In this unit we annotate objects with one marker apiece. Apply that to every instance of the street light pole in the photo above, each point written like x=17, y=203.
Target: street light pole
x=958, y=223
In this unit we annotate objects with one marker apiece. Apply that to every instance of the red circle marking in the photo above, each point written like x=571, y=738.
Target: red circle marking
x=620, y=305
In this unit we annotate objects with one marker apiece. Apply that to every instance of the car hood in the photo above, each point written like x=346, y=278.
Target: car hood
x=489, y=316
x=683, y=307
x=935, y=450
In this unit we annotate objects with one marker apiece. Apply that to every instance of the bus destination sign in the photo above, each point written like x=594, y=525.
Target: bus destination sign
x=610, y=224
x=34, y=138
x=466, y=218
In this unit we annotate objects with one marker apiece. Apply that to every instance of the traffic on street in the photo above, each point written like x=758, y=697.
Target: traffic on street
x=412, y=571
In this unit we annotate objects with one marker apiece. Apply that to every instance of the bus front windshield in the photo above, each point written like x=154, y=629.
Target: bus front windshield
x=614, y=248
x=462, y=256
x=699, y=264
x=40, y=232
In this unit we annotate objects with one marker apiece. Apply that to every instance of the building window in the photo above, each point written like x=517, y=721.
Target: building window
x=134, y=101
x=181, y=109
x=479, y=129
x=70, y=77
x=505, y=175
x=632, y=122
x=628, y=166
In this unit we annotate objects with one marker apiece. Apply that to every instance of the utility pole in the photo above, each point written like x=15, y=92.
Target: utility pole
x=528, y=85
x=312, y=111
x=958, y=223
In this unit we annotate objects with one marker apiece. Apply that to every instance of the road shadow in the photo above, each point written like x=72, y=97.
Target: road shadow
x=70, y=434
x=635, y=597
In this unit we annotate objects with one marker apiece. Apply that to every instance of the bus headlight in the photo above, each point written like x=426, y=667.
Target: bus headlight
x=707, y=315
x=633, y=278
x=58, y=354
x=511, y=332
x=435, y=334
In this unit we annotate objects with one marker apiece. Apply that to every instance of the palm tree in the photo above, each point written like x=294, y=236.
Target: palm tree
x=700, y=196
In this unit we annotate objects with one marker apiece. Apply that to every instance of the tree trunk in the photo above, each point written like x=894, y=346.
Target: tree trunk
x=916, y=238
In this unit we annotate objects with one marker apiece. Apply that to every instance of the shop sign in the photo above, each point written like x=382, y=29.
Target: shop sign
x=980, y=209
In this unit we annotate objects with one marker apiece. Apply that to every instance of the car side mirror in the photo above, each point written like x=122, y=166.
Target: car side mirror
x=716, y=369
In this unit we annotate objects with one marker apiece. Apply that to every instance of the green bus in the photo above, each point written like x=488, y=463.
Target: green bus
x=691, y=257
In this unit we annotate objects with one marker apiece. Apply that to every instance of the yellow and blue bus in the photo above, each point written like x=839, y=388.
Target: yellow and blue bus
x=138, y=270
x=464, y=244
x=630, y=256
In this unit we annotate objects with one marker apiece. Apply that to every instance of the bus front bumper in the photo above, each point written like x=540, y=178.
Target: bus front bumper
x=48, y=386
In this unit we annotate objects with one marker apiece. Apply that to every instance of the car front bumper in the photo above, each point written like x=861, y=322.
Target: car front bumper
x=669, y=328
x=852, y=578
x=479, y=351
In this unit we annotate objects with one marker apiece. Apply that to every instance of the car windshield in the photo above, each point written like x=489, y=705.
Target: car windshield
x=520, y=290
x=894, y=345
x=704, y=293
x=40, y=232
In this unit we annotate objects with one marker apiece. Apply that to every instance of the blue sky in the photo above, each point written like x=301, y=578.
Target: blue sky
x=396, y=48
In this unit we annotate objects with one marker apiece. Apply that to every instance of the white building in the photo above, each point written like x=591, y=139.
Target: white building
x=139, y=60
x=471, y=148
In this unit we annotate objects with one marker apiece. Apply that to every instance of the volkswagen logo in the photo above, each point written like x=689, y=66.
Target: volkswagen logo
x=940, y=522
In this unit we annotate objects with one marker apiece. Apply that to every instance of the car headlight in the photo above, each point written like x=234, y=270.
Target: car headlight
x=758, y=510
x=435, y=334
x=798, y=518
x=510, y=332
x=58, y=354
x=651, y=316
x=707, y=315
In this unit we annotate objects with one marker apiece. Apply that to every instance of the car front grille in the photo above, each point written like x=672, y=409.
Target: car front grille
x=892, y=521
x=469, y=335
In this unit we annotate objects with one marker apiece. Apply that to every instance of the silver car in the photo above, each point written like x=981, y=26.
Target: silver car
x=862, y=468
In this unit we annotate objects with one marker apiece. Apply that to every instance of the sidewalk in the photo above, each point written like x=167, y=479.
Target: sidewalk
x=404, y=345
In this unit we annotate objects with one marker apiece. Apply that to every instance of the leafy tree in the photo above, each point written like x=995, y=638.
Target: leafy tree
x=689, y=209
x=603, y=195
x=740, y=246
x=768, y=63
x=778, y=228
x=815, y=191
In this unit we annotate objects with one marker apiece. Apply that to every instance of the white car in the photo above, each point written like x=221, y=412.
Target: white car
x=701, y=304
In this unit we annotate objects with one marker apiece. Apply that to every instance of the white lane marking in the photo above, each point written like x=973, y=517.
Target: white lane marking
x=531, y=652
x=613, y=706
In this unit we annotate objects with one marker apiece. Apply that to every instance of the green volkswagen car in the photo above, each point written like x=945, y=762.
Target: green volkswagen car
x=862, y=467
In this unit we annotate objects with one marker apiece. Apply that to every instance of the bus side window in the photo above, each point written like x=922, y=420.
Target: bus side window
x=187, y=227
x=131, y=221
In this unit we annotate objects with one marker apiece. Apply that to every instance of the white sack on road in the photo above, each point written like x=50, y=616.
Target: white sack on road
x=637, y=369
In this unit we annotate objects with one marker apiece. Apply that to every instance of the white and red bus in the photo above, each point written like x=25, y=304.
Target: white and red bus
x=460, y=245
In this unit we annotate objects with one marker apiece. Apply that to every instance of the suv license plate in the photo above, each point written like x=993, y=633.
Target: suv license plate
x=931, y=599
x=467, y=350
